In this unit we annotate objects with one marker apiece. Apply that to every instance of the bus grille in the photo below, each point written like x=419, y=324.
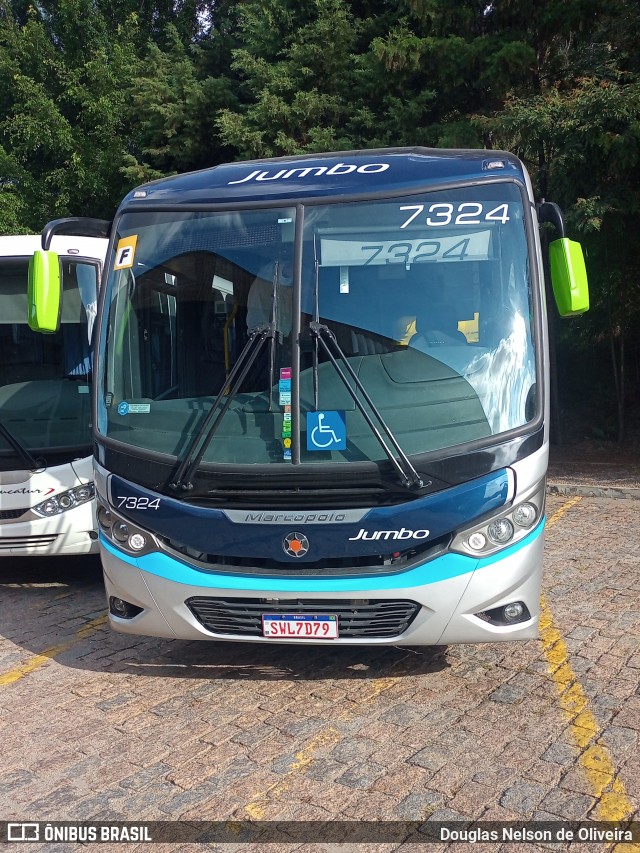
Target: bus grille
x=12, y=513
x=9, y=542
x=374, y=619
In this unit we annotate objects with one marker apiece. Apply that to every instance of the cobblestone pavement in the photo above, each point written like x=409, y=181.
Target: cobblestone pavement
x=101, y=726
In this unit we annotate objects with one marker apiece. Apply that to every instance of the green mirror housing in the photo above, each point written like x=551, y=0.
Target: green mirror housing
x=569, y=277
x=44, y=292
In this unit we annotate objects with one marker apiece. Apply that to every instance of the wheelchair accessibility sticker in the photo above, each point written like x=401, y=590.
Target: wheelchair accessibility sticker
x=326, y=431
x=125, y=408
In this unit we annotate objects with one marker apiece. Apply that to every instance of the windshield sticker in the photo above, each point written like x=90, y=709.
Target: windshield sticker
x=326, y=431
x=284, y=389
x=125, y=408
x=125, y=252
x=83, y=389
x=474, y=246
x=284, y=386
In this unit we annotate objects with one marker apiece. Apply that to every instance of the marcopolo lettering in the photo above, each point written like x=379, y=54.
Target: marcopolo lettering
x=299, y=517
x=403, y=533
x=316, y=171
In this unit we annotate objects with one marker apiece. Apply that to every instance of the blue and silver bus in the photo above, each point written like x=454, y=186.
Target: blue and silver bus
x=321, y=408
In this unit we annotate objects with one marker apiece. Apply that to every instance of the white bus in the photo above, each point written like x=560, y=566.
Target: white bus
x=47, y=497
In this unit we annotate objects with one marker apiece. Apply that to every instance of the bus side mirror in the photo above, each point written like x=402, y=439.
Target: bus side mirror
x=44, y=292
x=569, y=277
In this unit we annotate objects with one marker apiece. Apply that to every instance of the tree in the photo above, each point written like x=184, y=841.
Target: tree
x=63, y=113
x=176, y=100
x=294, y=68
x=578, y=130
x=70, y=130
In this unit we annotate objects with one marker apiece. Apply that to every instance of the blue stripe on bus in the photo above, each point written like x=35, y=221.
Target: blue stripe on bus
x=442, y=568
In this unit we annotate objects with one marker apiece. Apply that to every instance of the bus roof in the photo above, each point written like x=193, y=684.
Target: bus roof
x=343, y=173
x=24, y=245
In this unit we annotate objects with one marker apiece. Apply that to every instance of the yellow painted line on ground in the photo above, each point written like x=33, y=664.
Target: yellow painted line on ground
x=256, y=807
x=327, y=737
x=595, y=758
x=37, y=661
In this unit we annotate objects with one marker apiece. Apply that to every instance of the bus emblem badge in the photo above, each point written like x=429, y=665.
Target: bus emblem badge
x=295, y=545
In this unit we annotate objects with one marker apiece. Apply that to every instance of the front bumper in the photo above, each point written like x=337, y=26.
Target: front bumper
x=449, y=590
x=71, y=532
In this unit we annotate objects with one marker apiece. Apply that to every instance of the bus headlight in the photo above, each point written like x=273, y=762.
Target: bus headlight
x=105, y=518
x=137, y=542
x=477, y=541
x=504, y=529
x=500, y=531
x=525, y=514
x=122, y=532
x=65, y=500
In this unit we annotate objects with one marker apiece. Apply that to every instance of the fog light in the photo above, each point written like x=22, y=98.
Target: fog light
x=137, y=542
x=123, y=609
x=477, y=541
x=513, y=612
x=118, y=606
x=507, y=614
x=525, y=514
x=500, y=531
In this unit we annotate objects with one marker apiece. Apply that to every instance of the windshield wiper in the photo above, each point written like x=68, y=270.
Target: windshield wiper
x=21, y=451
x=197, y=447
x=228, y=393
x=409, y=477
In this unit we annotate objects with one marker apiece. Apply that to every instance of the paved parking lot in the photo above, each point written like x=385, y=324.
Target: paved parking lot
x=100, y=726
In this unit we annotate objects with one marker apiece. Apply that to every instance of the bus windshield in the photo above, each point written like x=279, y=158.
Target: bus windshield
x=425, y=299
x=45, y=400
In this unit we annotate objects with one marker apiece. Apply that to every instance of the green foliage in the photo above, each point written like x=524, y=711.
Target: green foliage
x=62, y=112
x=175, y=103
x=294, y=73
x=70, y=104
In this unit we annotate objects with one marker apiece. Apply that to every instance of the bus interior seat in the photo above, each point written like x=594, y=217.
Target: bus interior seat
x=367, y=344
x=437, y=325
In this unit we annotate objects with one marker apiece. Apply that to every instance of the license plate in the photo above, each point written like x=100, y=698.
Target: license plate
x=291, y=626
